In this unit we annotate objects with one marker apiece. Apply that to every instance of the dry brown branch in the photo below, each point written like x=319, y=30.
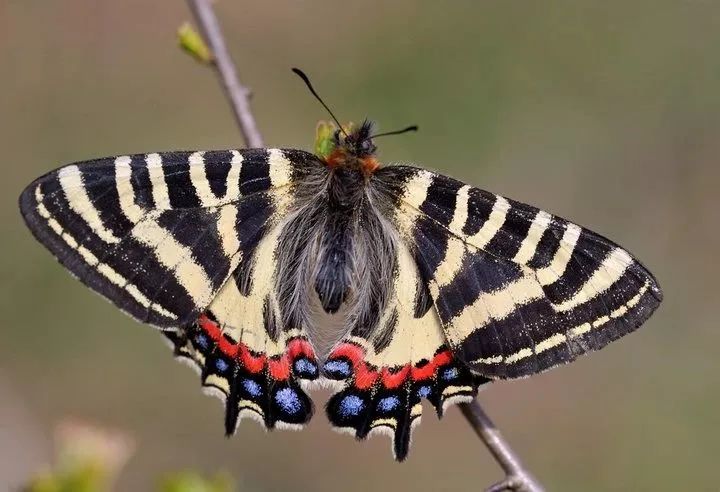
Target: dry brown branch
x=517, y=477
x=237, y=93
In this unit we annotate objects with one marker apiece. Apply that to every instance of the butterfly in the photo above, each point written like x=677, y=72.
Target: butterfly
x=440, y=287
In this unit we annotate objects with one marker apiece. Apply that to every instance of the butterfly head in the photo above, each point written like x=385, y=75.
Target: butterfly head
x=352, y=148
x=346, y=147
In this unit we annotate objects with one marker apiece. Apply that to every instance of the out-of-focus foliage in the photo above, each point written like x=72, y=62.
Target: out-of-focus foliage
x=324, y=142
x=191, y=41
x=325, y=136
x=88, y=460
x=194, y=482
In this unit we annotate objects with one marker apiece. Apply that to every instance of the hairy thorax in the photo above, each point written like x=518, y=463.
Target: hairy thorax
x=339, y=251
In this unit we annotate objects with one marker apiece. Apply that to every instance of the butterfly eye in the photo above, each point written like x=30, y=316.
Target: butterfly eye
x=365, y=147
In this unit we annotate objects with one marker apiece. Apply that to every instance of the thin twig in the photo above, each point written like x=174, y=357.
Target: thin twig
x=235, y=91
x=517, y=477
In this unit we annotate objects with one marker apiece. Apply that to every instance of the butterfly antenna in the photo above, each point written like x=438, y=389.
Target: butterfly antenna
x=305, y=79
x=412, y=128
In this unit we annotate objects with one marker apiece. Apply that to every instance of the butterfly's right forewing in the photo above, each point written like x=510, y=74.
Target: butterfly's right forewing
x=517, y=289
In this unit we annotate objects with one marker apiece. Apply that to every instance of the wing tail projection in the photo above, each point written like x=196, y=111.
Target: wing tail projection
x=388, y=371
x=245, y=353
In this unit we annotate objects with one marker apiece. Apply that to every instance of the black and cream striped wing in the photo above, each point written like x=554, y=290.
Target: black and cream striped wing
x=159, y=234
x=390, y=366
x=245, y=353
x=518, y=290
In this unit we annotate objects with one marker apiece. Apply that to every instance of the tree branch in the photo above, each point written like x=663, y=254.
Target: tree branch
x=517, y=477
x=235, y=91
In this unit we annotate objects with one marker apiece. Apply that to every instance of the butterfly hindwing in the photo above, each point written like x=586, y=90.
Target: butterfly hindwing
x=159, y=234
x=388, y=369
x=517, y=290
x=244, y=352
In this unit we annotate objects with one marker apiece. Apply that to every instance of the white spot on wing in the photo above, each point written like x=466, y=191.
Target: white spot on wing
x=413, y=195
x=452, y=262
x=416, y=189
x=227, y=219
x=233, y=178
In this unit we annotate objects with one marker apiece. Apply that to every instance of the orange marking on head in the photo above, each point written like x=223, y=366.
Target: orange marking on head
x=369, y=165
x=336, y=158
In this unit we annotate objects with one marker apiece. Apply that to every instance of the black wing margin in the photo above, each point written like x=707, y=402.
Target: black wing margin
x=518, y=290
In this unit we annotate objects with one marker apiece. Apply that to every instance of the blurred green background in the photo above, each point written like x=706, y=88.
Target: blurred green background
x=604, y=112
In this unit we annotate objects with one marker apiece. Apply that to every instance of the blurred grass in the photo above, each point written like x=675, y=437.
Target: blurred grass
x=607, y=113
x=89, y=459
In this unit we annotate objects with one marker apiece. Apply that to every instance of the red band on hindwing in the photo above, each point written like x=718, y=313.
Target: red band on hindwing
x=366, y=375
x=279, y=368
x=300, y=347
x=394, y=379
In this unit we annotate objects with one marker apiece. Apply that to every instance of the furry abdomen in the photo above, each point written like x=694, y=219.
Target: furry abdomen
x=344, y=195
x=336, y=245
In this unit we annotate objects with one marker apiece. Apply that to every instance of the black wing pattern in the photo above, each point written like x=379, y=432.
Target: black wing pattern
x=244, y=352
x=390, y=367
x=174, y=240
x=517, y=290
x=213, y=246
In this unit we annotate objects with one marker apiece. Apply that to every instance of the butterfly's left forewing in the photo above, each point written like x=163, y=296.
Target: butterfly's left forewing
x=187, y=241
x=518, y=290
x=159, y=234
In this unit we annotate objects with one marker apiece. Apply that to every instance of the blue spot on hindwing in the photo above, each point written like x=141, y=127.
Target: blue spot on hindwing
x=252, y=387
x=288, y=400
x=202, y=340
x=305, y=368
x=388, y=404
x=351, y=406
x=337, y=368
x=424, y=391
x=221, y=365
x=450, y=373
